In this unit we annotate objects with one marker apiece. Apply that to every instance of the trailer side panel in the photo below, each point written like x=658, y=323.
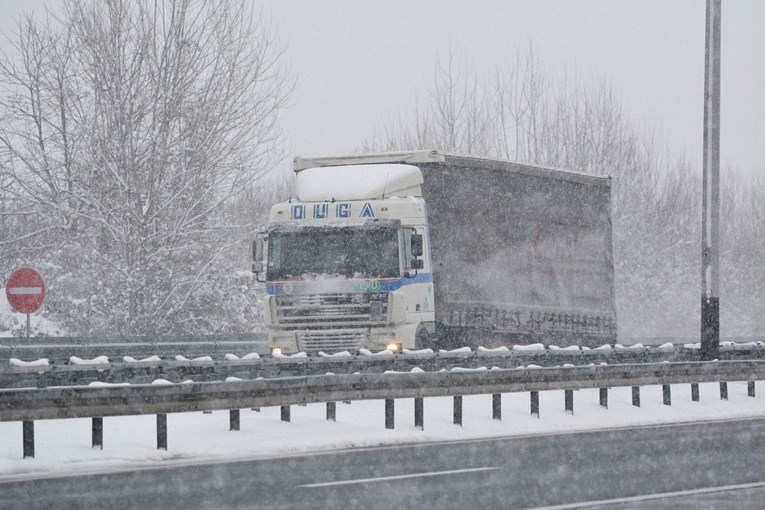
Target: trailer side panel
x=520, y=252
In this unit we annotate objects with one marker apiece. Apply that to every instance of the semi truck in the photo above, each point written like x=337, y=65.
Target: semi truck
x=428, y=249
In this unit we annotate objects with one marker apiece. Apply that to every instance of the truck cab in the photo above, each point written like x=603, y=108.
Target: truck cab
x=347, y=263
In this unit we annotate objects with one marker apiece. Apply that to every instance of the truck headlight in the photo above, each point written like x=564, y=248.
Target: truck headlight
x=393, y=346
x=276, y=350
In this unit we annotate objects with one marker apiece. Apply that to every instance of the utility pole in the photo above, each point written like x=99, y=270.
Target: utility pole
x=710, y=221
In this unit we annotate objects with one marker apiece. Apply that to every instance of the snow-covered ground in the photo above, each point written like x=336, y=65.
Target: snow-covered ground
x=63, y=446
x=13, y=323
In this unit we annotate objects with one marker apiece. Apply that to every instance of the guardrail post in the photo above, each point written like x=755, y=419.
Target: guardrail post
x=636, y=396
x=695, y=392
x=723, y=391
x=535, y=403
x=458, y=410
x=331, y=411
x=42, y=380
x=419, y=414
x=98, y=433
x=285, y=413
x=604, y=397
x=161, y=432
x=29, y=439
x=390, y=413
x=569, y=400
x=496, y=406
x=233, y=419
x=667, y=392
x=750, y=388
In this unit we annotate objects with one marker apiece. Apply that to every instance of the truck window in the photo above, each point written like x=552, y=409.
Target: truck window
x=351, y=252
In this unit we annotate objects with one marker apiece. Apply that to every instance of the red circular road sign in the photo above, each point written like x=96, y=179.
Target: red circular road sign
x=25, y=290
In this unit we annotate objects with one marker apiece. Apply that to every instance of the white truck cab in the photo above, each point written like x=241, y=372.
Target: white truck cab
x=347, y=263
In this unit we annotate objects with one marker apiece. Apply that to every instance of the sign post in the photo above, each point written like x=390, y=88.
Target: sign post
x=25, y=291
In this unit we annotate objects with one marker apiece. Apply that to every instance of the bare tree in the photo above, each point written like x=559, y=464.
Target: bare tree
x=519, y=114
x=126, y=129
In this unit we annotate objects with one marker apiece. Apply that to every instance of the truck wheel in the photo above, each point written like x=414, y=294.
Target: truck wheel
x=424, y=340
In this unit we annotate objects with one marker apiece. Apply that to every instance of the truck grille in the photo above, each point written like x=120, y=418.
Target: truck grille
x=331, y=310
x=331, y=340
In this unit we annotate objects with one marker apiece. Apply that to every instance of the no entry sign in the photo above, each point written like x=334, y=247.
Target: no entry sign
x=25, y=290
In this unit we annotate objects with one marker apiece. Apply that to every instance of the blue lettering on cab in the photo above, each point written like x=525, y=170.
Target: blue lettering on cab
x=297, y=212
x=320, y=211
x=366, y=211
x=343, y=210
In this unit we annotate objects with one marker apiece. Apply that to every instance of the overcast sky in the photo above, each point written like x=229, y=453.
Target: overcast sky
x=360, y=64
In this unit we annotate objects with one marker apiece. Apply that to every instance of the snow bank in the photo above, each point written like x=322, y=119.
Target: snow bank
x=101, y=360
x=101, y=384
x=150, y=359
x=279, y=355
x=416, y=351
x=572, y=349
x=635, y=347
x=667, y=347
x=461, y=350
x=502, y=349
x=64, y=446
x=43, y=362
x=533, y=348
x=202, y=360
x=14, y=324
x=367, y=352
x=463, y=369
x=343, y=354
x=234, y=357
x=160, y=382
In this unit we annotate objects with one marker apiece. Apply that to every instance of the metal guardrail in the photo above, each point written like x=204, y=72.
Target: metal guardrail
x=206, y=370
x=31, y=404
x=72, y=402
x=60, y=349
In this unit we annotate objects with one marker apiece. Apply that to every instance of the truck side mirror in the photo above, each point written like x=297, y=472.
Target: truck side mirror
x=258, y=251
x=416, y=245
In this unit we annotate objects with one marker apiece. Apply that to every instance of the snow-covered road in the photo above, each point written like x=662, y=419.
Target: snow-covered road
x=63, y=446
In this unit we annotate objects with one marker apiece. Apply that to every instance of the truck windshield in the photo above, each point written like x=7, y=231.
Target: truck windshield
x=352, y=252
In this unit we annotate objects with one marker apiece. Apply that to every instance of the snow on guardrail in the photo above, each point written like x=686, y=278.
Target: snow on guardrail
x=100, y=360
x=202, y=360
x=367, y=352
x=495, y=350
x=43, y=362
x=342, y=354
x=150, y=359
x=234, y=357
x=279, y=355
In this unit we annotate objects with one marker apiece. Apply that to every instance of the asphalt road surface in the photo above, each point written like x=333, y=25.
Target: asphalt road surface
x=616, y=469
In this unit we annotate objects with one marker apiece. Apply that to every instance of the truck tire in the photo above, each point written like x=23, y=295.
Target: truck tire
x=425, y=340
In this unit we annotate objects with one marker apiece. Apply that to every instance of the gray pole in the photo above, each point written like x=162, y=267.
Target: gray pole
x=710, y=222
x=29, y=322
